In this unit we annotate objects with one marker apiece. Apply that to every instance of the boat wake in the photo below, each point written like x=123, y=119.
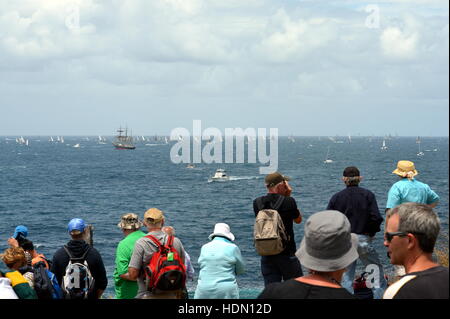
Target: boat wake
x=234, y=178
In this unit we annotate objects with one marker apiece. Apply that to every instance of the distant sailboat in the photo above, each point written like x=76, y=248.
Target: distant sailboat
x=418, y=141
x=384, y=147
x=328, y=160
x=76, y=146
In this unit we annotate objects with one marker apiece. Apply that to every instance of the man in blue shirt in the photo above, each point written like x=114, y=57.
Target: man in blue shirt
x=361, y=208
x=409, y=189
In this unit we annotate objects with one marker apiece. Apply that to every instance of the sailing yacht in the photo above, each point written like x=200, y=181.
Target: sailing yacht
x=418, y=141
x=384, y=147
x=123, y=142
x=328, y=160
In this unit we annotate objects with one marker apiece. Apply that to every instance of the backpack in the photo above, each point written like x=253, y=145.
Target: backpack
x=77, y=282
x=269, y=234
x=360, y=288
x=45, y=282
x=165, y=270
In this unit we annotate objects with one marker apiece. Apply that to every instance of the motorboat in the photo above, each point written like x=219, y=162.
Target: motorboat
x=220, y=176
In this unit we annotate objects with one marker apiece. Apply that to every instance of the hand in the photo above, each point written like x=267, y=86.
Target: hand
x=288, y=189
x=13, y=242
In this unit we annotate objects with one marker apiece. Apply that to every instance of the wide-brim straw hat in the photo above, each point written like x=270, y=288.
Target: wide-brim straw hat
x=405, y=169
x=222, y=230
x=328, y=244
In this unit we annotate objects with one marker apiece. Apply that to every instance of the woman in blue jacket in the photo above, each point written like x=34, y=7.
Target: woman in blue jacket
x=220, y=261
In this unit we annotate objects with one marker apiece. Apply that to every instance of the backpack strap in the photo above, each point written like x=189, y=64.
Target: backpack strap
x=76, y=258
x=278, y=203
x=169, y=242
x=155, y=240
x=260, y=204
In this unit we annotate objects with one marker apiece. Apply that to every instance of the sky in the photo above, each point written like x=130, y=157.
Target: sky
x=306, y=67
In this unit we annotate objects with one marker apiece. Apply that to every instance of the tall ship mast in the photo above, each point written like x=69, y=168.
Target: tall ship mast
x=123, y=142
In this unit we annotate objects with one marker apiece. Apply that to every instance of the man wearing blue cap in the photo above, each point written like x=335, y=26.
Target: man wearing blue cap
x=19, y=236
x=78, y=250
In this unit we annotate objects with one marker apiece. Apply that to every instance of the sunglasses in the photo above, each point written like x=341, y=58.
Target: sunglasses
x=389, y=236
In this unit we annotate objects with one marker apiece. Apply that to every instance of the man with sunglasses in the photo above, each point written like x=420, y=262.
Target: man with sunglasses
x=410, y=236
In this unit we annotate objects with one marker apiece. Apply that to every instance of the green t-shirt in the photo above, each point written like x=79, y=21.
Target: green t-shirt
x=125, y=289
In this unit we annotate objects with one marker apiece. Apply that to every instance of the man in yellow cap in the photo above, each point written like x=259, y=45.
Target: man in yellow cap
x=143, y=251
x=408, y=189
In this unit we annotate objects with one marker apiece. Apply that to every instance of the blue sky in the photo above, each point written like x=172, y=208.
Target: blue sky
x=85, y=67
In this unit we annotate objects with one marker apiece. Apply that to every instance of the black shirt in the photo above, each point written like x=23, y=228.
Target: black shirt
x=293, y=289
x=361, y=208
x=93, y=258
x=288, y=212
x=429, y=284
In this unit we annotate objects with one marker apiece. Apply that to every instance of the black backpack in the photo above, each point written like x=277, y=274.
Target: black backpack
x=45, y=283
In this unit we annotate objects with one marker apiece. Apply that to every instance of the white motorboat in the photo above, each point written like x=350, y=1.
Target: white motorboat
x=220, y=176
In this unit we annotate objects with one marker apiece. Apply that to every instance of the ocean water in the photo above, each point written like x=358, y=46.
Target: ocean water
x=46, y=184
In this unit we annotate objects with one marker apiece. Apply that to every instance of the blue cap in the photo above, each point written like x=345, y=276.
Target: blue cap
x=76, y=224
x=20, y=230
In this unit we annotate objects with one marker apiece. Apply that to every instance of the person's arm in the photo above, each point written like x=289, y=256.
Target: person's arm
x=13, y=242
x=131, y=275
x=394, y=198
x=299, y=219
x=99, y=293
x=136, y=263
x=433, y=205
x=240, y=265
x=433, y=198
x=122, y=261
x=99, y=272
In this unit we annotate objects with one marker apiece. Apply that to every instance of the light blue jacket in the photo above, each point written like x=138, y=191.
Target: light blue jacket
x=220, y=261
x=406, y=190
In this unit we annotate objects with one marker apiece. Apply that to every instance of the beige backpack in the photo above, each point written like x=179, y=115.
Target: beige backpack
x=269, y=233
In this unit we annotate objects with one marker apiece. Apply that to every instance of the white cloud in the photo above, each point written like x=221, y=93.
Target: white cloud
x=395, y=43
x=254, y=49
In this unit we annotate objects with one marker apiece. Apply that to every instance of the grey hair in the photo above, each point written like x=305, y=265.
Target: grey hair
x=418, y=219
x=352, y=181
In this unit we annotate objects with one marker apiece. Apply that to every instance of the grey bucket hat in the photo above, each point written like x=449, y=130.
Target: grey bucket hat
x=328, y=244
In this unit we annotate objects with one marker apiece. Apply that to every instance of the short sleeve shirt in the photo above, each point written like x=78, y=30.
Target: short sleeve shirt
x=143, y=251
x=288, y=212
x=125, y=289
x=406, y=190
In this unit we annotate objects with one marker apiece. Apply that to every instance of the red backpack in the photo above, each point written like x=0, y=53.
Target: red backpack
x=165, y=270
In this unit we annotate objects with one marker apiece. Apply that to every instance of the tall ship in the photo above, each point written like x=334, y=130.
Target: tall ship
x=123, y=141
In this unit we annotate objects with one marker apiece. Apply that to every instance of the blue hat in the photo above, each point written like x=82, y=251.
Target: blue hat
x=20, y=230
x=76, y=225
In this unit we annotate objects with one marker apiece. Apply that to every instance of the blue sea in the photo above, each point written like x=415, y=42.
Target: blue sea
x=46, y=184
